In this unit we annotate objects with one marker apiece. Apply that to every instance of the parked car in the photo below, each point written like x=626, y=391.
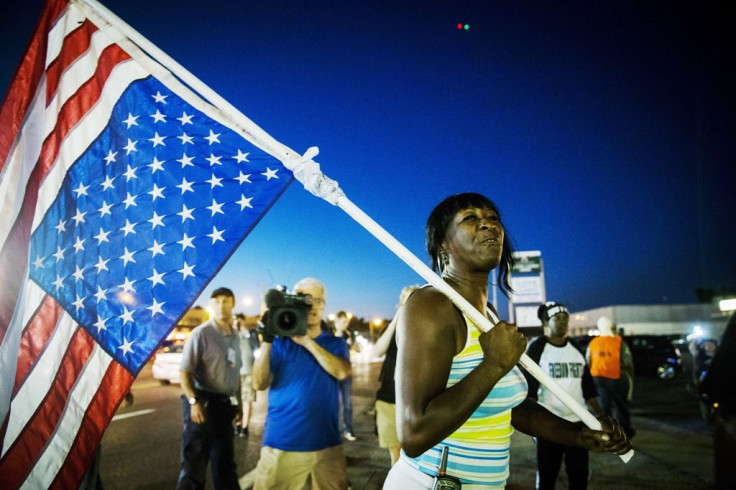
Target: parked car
x=166, y=362
x=653, y=355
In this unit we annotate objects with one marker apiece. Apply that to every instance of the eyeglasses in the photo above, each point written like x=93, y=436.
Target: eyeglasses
x=315, y=301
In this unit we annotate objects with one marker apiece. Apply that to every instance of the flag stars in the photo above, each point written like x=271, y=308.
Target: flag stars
x=186, y=161
x=241, y=157
x=185, y=186
x=244, y=202
x=101, y=294
x=214, y=160
x=185, y=119
x=156, y=192
x=185, y=213
x=131, y=120
x=105, y=209
x=127, y=346
x=129, y=228
x=100, y=324
x=157, y=140
x=127, y=257
x=102, y=236
x=216, y=208
x=111, y=156
x=186, y=271
x=214, y=181
x=127, y=316
x=78, y=245
x=216, y=234
x=158, y=117
x=130, y=147
x=157, y=249
x=213, y=137
x=186, y=139
x=59, y=255
x=130, y=201
x=61, y=226
x=156, y=307
x=156, y=221
x=130, y=173
x=38, y=263
x=81, y=190
x=101, y=265
x=127, y=286
x=156, y=165
x=159, y=98
x=78, y=217
x=78, y=303
x=157, y=278
x=241, y=178
x=107, y=184
x=78, y=273
x=270, y=174
x=186, y=242
x=59, y=282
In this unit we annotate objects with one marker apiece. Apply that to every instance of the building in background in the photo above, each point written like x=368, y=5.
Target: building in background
x=706, y=320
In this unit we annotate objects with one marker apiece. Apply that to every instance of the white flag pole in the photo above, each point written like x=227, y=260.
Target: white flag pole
x=307, y=171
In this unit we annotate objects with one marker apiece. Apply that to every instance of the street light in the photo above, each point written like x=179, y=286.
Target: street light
x=376, y=323
x=727, y=304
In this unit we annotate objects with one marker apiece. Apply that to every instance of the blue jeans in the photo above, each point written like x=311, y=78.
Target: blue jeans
x=612, y=394
x=346, y=391
x=210, y=442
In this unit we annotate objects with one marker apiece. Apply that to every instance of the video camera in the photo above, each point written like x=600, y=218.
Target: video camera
x=287, y=313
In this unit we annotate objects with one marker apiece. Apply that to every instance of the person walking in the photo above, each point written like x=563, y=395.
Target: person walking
x=559, y=358
x=210, y=375
x=249, y=345
x=386, y=394
x=612, y=369
x=346, y=385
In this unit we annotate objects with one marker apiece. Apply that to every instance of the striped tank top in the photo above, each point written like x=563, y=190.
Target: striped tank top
x=479, y=449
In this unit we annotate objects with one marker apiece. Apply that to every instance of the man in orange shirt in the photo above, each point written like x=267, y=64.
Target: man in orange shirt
x=609, y=357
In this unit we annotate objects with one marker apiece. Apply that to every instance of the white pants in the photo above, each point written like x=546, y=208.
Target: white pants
x=403, y=477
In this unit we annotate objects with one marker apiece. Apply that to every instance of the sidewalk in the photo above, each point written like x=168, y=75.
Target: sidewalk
x=666, y=457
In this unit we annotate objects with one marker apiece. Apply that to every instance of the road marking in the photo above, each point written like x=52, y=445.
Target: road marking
x=133, y=414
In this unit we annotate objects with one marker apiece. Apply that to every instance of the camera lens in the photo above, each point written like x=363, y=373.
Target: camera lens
x=287, y=320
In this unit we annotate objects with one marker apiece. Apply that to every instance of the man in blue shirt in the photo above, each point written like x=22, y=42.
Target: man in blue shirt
x=302, y=437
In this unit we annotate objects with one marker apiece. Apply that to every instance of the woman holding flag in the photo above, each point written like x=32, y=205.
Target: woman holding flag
x=458, y=388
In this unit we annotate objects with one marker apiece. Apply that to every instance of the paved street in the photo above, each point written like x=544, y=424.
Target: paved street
x=673, y=445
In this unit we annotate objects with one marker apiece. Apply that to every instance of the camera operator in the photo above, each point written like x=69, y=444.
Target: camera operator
x=302, y=437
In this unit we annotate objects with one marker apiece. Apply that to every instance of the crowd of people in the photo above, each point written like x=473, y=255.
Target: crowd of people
x=447, y=390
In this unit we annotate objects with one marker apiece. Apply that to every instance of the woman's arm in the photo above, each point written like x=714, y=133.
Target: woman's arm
x=535, y=420
x=430, y=333
x=381, y=345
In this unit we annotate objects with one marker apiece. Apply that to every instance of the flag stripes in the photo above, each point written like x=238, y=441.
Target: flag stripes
x=73, y=334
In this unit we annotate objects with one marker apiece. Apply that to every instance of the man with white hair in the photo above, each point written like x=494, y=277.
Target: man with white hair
x=612, y=369
x=302, y=438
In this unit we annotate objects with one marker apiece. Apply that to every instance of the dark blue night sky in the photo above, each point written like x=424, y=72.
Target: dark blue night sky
x=604, y=131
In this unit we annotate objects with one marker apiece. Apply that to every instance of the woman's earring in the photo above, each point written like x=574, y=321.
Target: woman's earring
x=443, y=259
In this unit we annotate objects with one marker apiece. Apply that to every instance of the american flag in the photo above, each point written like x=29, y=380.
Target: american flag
x=119, y=201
